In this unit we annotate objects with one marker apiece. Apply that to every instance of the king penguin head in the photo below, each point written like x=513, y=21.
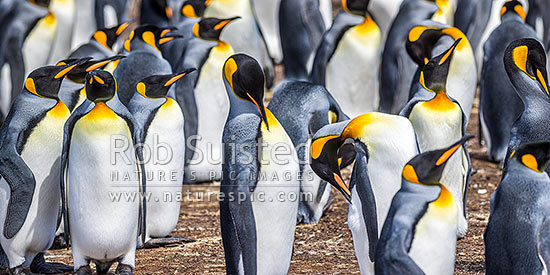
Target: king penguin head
x=526, y=58
x=433, y=76
x=78, y=74
x=244, y=82
x=534, y=156
x=427, y=168
x=100, y=86
x=211, y=28
x=41, y=3
x=147, y=36
x=108, y=36
x=46, y=81
x=420, y=43
x=157, y=86
x=513, y=7
x=357, y=7
x=162, y=7
x=193, y=8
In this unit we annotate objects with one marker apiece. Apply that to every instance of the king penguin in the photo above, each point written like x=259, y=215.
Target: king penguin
x=38, y=46
x=144, y=59
x=383, y=144
x=110, y=13
x=421, y=220
x=525, y=64
x=471, y=17
x=438, y=121
x=204, y=102
x=155, y=12
x=495, y=118
x=161, y=124
x=100, y=44
x=384, y=12
x=100, y=136
x=302, y=109
x=259, y=222
x=245, y=35
x=65, y=14
x=85, y=24
x=519, y=209
x=340, y=60
x=397, y=69
x=31, y=147
x=267, y=14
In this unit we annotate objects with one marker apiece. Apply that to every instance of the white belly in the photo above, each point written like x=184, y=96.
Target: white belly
x=213, y=108
x=353, y=84
x=64, y=11
x=267, y=13
x=164, y=168
x=462, y=79
x=6, y=89
x=38, y=45
x=85, y=26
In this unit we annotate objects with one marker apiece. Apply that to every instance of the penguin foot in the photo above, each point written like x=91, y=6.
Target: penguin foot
x=123, y=269
x=84, y=270
x=21, y=271
x=169, y=240
x=102, y=268
x=39, y=265
x=59, y=242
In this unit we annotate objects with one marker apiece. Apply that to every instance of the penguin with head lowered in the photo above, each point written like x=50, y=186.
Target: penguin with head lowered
x=422, y=219
x=495, y=118
x=144, y=59
x=31, y=140
x=258, y=214
x=383, y=143
x=160, y=119
x=339, y=65
x=525, y=64
x=438, y=121
x=99, y=159
x=519, y=210
x=302, y=109
x=101, y=43
x=204, y=101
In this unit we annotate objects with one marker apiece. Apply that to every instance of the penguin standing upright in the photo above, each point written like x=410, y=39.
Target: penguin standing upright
x=495, y=118
x=100, y=44
x=31, y=147
x=421, y=220
x=258, y=228
x=384, y=12
x=204, y=102
x=244, y=36
x=341, y=57
x=100, y=136
x=519, y=209
x=383, y=143
x=161, y=124
x=437, y=121
x=155, y=12
x=525, y=64
x=303, y=108
x=267, y=13
x=65, y=13
x=85, y=24
x=38, y=46
x=144, y=59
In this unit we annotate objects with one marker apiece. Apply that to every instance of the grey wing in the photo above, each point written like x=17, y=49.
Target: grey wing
x=543, y=245
x=465, y=15
x=4, y=262
x=328, y=44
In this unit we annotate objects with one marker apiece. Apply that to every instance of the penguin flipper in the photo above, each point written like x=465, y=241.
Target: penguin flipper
x=21, y=181
x=543, y=245
x=4, y=262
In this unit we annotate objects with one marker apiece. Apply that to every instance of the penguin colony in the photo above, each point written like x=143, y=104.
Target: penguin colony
x=95, y=100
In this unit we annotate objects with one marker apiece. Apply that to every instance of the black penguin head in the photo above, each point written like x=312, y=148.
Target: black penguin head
x=193, y=8
x=162, y=7
x=150, y=35
x=46, y=81
x=108, y=36
x=78, y=74
x=420, y=43
x=100, y=86
x=534, y=156
x=433, y=76
x=426, y=168
x=513, y=6
x=527, y=56
x=157, y=86
x=244, y=77
x=211, y=28
x=357, y=7
x=41, y=3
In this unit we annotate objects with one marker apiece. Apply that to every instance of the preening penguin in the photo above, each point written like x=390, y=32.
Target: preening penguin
x=495, y=118
x=302, y=109
x=90, y=173
x=161, y=124
x=525, y=64
x=258, y=212
x=519, y=209
x=340, y=60
x=101, y=43
x=204, y=101
x=29, y=192
x=383, y=143
x=438, y=120
x=422, y=219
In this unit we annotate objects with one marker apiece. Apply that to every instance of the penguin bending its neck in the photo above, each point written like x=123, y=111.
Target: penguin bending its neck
x=257, y=234
x=438, y=121
x=422, y=219
x=101, y=43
